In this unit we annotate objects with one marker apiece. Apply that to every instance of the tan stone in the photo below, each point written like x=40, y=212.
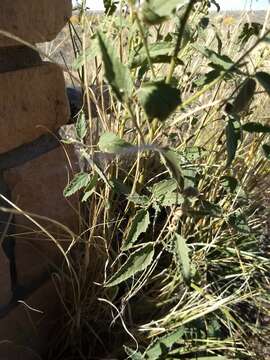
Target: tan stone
x=37, y=187
x=26, y=330
x=31, y=102
x=5, y=284
x=33, y=20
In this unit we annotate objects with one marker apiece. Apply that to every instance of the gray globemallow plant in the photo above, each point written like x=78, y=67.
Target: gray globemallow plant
x=173, y=254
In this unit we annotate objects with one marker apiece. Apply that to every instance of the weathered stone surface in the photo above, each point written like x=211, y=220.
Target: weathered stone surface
x=31, y=102
x=33, y=21
x=26, y=330
x=37, y=187
x=5, y=283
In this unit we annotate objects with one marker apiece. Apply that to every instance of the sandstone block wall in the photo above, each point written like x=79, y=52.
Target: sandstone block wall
x=34, y=169
x=33, y=101
x=33, y=21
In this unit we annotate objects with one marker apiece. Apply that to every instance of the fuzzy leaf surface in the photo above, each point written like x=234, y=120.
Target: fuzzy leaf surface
x=79, y=181
x=229, y=183
x=90, y=53
x=233, y=136
x=182, y=254
x=140, y=224
x=133, y=354
x=81, y=126
x=239, y=222
x=90, y=188
x=116, y=73
x=138, y=261
x=113, y=144
x=157, y=11
x=254, y=127
x=159, y=52
x=162, y=345
x=264, y=80
x=173, y=163
x=194, y=153
x=159, y=99
x=140, y=200
x=160, y=189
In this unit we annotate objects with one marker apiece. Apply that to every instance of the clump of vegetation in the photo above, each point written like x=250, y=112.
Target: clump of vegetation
x=173, y=258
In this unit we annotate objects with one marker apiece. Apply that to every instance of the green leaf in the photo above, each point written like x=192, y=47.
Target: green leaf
x=139, y=226
x=172, y=161
x=266, y=150
x=157, y=11
x=160, y=189
x=117, y=74
x=233, y=136
x=159, y=99
x=90, y=188
x=112, y=144
x=90, y=53
x=248, y=31
x=81, y=126
x=181, y=251
x=159, y=52
x=238, y=221
x=219, y=62
x=164, y=193
x=264, y=80
x=194, y=153
x=171, y=199
x=138, y=261
x=140, y=200
x=110, y=6
x=133, y=354
x=190, y=175
x=119, y=187
x=161, y=346
x=244, y=96
x=229, y=183
x=253, y=127
x=206, y=79
x=79, y=181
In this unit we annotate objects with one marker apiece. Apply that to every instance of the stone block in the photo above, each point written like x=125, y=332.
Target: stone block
x=37, y=188
x=34, y=21
x=25, y=331
x=32, y=101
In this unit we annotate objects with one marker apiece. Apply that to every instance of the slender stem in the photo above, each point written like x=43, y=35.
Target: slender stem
x=134, y=121
x=182, y=22
x=145, y=43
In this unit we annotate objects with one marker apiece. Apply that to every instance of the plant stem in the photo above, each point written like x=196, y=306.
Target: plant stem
x=145, y=43
x=182, y=23
x=134, y=121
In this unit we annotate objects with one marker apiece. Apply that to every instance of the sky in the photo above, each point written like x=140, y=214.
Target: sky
x=225, y=4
